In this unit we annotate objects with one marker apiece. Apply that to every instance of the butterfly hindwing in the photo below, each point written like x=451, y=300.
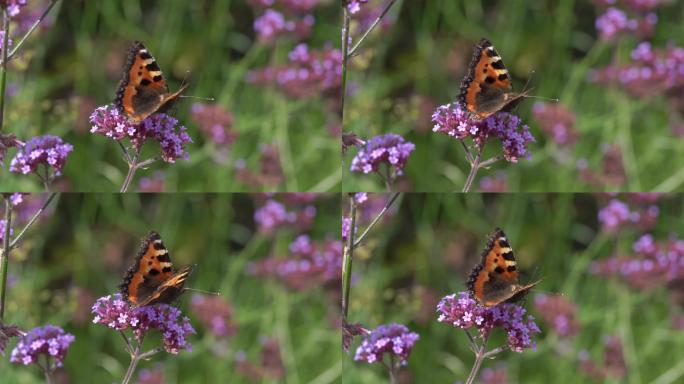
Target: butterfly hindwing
x=152, y=279
x=495, y=279
x=486, y=89
x=143, y=90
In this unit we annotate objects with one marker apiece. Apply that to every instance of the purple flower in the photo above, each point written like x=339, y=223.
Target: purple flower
x=214, y=122
x=13, y=6
x=393, y=339
x=48, y=150
x=390, y=149
x=272, y=24
x=464, y=312
x=613, y=22
x=164, y=129
x=215, y=314
x=453, y=120
x=354, y=6
x=558, y=312
x=3, y=225
x=49, y=340
x=113, y=312
x=346, y=227
x=273, y=215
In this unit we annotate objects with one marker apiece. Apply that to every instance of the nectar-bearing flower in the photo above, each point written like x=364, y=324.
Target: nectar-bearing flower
x=392, y=339
x=47, y=150
x=462, y=311
x=49, y=340
x=160, y=127
x=390, y=149
x=113, y=312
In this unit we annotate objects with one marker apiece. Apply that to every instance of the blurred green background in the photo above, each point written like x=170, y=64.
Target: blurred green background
x=79, y=252
x=425, y=249
x=416, y=63
x=65, y=71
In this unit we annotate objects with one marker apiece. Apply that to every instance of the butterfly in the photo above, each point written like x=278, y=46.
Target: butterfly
x=495, y=279
x=152, y=279
x=143, y=90
x=486, y=89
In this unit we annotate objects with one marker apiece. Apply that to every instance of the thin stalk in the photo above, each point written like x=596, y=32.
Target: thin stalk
x=469, y=157
x=474, y=167
x=394, y=379
x=35, y=216
x=3, y=66
x=479, y=358
x=46, y=179
x=29, y=32
x=489, y=162
x=132, y=167
x=4, y=263
x=345, y=56
x=371, y=28
x=376, y=219
x=135, y=359
x=347, y=260
x=47, y=371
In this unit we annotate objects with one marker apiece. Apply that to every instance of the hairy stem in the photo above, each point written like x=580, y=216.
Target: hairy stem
x=4, y=257
x=474, y=167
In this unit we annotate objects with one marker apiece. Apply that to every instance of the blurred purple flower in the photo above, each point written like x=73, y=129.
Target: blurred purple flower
x=559, y=313
x=613, y=364
x=346, y=227
x=154, y=183
x=270, y=365
x=152, y=376
x=215, y=314
x=497, y=375
x=214, y=122
x=354, y=6
x=615, y=22
x=494, y=184
x=13, y=6
x=47, y=150
x=273, y=215
x=2, y=39
x=557, y=121
x=49, y=340
x=390, y=149
x=392, y=339
x=164, y=129
x=464, y=312
x=452, y=120
x=272, y=24
x=113, y=312
x=3, y=224
x=617, y=215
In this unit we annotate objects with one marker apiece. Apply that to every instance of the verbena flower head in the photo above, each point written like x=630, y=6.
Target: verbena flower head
x=390, y=149
x=615, y=22
x=215, y=314
x=13, y=6
x=49, y=340
x=273, y=24
x=47, y=150
x=354, y=6
x=453, y=120
x=559, y=313
x=215, y=122
x=557, y=121
x=392, y=339
x=112, y=311
x=462, y=311
x=164, y=129
x=617, y=215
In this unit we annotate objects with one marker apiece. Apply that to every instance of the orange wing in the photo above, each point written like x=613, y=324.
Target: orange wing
x=151, y=269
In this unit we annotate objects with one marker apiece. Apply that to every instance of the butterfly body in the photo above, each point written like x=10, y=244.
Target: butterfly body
x=486, y=89
x=495, y=279
x=152, y=279
x=143, y=90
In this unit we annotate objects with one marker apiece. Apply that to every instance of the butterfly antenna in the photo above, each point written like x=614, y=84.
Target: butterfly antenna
x=526, y=91
x=202, y=291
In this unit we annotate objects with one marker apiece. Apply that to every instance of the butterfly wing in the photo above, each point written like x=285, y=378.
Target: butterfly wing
x=170, y=289
x=487, y=89
x=142, y=90
x=151, y=269
x=495, y=279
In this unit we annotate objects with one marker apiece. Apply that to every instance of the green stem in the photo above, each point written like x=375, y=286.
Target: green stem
x=4, y=257
x=345, y=56
x=33, y=219
x=371, y=28
x=479, y=358
x=3, y=66
x=347, y=260
x=29, y=32
x=376, y=219
x=474, y=167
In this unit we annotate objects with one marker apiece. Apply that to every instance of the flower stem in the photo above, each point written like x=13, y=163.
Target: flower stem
x=393, y=371
x=345, y=49
x=132, y=167
x=480, y=355
x=347, y=259
x=135, y=359
x=35, y=216
x=29, y=32
x=371, y=28
x=376, y=219
x=3, y=66
x=4, y=257
x=474, y=167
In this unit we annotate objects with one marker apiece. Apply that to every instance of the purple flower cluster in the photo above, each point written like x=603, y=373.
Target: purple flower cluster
x=354, y=6
x=615, y=22
x=613, y=364
x=654, y=263
x=273, y=24
x=557, y=121
x=464, y=312
x=346, y=228
x=3, y=225
x=390, y=149
x=612, y=172
x=13, y=6
x=164, y=129
x=559, y=313
x=618, y=214
x=113, y=312
x=214, y=122
x=215, y=314
x=297, y=6
x=309, y=265
x=496, y=183
x=309, y=73
x=274, y=215
x=392, y=339
x=454, y=121
x=47, y=150
x=49, y=340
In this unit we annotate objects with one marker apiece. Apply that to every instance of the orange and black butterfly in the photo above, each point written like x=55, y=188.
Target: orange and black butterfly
x=143, y=90
x=486, y=88
x=495, y=279
x=152, y=279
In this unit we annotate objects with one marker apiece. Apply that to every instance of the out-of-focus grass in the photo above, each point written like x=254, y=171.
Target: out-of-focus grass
x=89, y=240
x=426, y=250
x=408, y=70
x=77, y=63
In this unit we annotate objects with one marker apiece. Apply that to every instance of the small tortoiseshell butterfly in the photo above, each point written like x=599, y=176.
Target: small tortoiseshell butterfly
x=495, y=279
x=143, y=90
x=152, y=278
x=486, y=89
